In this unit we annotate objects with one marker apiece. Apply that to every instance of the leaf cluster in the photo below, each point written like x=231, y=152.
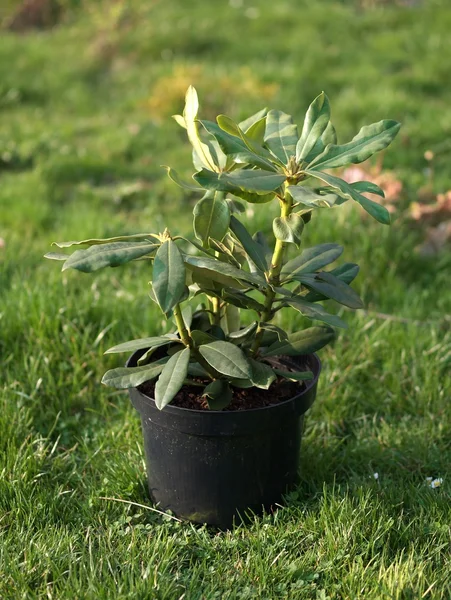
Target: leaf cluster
x=203, y=283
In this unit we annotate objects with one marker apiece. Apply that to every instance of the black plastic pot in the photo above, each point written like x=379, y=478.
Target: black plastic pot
x=213, y=466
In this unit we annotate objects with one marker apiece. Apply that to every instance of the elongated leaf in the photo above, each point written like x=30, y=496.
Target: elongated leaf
x=235, y=148
x=227, y=359
x=129, y=377
x=295, y=375
x=225, y=251
x=168, y=281
x=379, y=212
x=242, y=335
x=312, y=259
x=256, y=132
x=195, y=370
x=368, y=187
x=262, y=374
x=187, y=315
x=303, y=342
x=150, y=342
x=281, y=135
x=308, y=197
x=172, y=174
x=218, y=394
x=99, y=241
x=230, y=320
x=332, y=287
x=250, y=121
x=56, y=256
x=172, y=378
x=249, y=181
x=211, y=217
x=315, y=312
x=202, y=337
x=288, y=229
x=369, y=140
x=254, y=198
x=211, y=266
x=108, y=255
x=261, y=240
x=329, y=136
x=241, y=300
x=190, y=116
x=278, y=331
x=232, y=128
x=346, y=272
x=253, y=249
x=315, y=123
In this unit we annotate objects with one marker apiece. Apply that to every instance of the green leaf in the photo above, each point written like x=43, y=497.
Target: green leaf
x=230, y=320
x=108, y=255
x=172, y=174
x=202, y=337
x=215, y=268
x=303, y=342
x=346, y=272
x=253, y=249
x=368, y=187
x=238, y=147
x=281, y=135
x=218, y=394
x=250, y=121
x=308, y=197
x=315, y=311
x=254, y=198
x=277, y=331
x=369, y=140
x=330, y=286
x=168, y=281
x=228, y=359
x=241, y=300
x=172, y=378
x=56, y=256
x=242, y=335
x=211, y=217
x=229, y=126
x=187, y=315
x=315, y=122
x=289, y=229
x=129, y=377
x=379, y=212
x=295, y=375
x=242, y=180
x=140, y=344
x=262, y=374
x=98, y=241
x=311, y=259
x=190, y=116
x=329, y=136
x=256, y=132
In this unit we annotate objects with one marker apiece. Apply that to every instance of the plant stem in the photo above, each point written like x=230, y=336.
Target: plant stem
x=188, y=341
x=286, y=207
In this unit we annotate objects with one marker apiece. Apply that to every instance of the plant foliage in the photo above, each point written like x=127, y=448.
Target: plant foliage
x=262, y=159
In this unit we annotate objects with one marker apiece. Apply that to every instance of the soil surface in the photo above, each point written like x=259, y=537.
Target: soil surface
x=243, y=399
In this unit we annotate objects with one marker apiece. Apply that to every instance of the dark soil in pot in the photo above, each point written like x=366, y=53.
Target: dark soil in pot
x=215, y=467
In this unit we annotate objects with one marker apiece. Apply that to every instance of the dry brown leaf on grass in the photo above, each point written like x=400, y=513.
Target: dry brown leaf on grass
x=437, y=238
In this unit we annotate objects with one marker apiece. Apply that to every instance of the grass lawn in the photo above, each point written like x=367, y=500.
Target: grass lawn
x=85, y=126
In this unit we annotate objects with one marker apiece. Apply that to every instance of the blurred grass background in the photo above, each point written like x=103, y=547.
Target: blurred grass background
x=86, y=96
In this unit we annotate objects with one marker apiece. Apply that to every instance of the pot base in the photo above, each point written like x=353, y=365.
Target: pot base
x=215, y=466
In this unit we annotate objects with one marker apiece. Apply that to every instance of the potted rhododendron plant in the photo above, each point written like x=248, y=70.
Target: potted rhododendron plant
x=222, y=398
